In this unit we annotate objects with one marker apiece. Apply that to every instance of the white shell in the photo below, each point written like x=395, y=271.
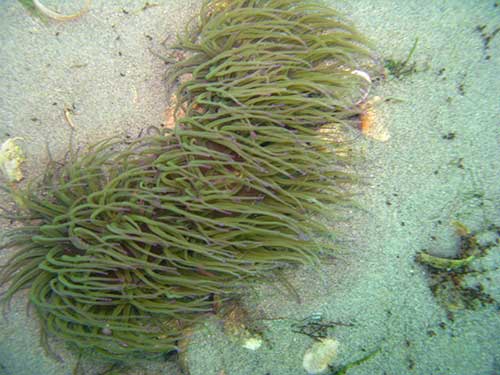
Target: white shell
x=362, y=74
x=320, y=355
x=11, y=158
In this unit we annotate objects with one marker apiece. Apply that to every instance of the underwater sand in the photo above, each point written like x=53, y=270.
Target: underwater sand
x=441, y=164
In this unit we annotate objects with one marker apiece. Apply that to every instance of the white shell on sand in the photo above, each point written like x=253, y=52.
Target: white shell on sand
x=11, y=158
x=320, y=355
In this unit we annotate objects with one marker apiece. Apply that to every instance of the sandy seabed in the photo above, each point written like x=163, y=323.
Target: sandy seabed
x=441, y=164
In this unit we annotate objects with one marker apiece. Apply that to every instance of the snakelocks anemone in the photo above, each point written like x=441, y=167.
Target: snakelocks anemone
x=125, y=247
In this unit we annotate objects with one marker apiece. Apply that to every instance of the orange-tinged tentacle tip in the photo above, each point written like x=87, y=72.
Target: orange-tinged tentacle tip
x=172, y=113
x=370, y=124
x=175, y=111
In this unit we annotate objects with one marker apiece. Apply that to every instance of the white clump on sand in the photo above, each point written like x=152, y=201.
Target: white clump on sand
x=252, y=343
x=11, y=158
x=320, y=355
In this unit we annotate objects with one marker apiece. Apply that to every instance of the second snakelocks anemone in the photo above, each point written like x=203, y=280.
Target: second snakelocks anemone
x=123, y=248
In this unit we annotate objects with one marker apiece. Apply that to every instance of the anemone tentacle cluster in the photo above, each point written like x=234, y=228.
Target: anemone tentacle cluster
x=124, y=247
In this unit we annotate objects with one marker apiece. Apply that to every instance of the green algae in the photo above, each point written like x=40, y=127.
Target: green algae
x=452, y=281
x=401, y=68
x=441, y=263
